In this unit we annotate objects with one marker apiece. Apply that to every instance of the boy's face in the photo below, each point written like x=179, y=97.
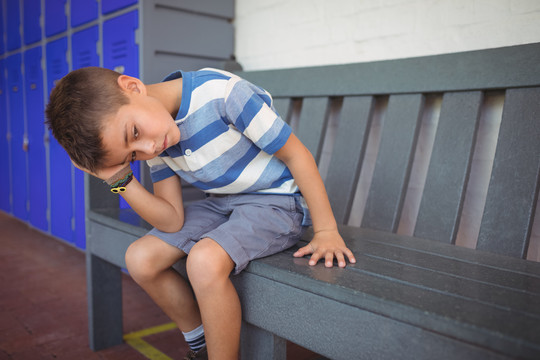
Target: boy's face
x=140, y=130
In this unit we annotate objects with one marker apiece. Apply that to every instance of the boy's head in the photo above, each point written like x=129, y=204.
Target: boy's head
x=76, y=111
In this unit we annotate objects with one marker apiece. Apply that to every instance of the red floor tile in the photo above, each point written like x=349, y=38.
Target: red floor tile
x=43, y=303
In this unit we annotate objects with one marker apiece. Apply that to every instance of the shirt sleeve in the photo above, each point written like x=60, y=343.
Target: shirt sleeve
x=159, y=170
x=249, y=108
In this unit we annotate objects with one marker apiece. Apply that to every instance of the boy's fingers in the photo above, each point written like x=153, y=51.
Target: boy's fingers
x=306, y=250
x=340, y=254
x=350, y=255
x=314, y=258
x=329, y=259
x=340, y=259
x=303, y=251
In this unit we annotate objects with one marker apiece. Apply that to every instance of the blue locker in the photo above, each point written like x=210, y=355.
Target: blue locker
x=17, y=130
x=36, y=130
x=5, y=187
x=2, y=47
x=83, y=11
x=32, y=27
x=108, y=6
x=60, y=165
x=55, y=17
x=13, y=23
x=83, y=48
x=121, y=53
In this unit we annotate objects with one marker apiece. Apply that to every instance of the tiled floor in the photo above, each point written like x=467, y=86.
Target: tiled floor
x=43, y=303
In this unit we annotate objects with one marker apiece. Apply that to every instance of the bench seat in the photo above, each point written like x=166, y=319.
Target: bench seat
x=403, y=291
x=405, y=295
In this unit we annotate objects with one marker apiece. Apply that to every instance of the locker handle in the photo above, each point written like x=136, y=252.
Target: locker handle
x=120, y=69
x=25, y=144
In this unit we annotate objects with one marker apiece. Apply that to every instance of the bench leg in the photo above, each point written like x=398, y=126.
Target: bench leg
x=259, y=344
x=104, y=287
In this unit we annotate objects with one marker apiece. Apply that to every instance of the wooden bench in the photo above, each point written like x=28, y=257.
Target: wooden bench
x=412, y=294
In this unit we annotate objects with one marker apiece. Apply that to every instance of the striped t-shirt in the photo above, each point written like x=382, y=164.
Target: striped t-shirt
x=228, y=133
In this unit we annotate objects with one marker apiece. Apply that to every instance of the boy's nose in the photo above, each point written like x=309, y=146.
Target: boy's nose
x=148, y=147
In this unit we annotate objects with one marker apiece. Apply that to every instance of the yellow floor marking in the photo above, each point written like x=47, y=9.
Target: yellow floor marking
x=134, y=339
x=146, y=349
x=151, y=331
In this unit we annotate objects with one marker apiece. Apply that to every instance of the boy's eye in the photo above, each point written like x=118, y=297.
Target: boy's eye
x=133, y=156
x=135, y=132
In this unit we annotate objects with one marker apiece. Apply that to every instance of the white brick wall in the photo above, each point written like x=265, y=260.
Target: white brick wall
x=293, y=33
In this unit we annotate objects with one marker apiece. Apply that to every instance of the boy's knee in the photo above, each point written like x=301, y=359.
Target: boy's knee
x=139, y=261
x=208, y=263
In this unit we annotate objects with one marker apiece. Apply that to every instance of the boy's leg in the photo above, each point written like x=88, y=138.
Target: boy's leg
x=149, y=262
x=232, y=245
x=209, y=267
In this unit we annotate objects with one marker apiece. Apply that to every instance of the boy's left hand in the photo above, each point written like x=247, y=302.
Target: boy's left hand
x=327, y=244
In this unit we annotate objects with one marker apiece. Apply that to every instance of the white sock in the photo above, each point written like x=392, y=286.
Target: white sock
x=195, y=338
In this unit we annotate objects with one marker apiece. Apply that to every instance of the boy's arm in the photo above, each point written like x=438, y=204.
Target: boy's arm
x=327, y=242
x=164, y=209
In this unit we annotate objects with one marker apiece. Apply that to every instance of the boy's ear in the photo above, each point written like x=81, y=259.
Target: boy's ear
x=131, y=84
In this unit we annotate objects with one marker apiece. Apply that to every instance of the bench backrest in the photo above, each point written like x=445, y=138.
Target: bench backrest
x=381, y=110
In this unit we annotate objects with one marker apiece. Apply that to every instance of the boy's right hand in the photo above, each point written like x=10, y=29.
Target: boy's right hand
x=104, y=173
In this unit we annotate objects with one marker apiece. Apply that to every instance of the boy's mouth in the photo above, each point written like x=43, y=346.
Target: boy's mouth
x=164, y=144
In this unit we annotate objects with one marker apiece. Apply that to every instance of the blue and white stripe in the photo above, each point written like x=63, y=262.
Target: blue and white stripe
x=229, y=131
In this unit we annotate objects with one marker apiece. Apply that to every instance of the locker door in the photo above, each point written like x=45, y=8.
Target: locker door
x=5, y=183
x=83, y=48
x=13, y=23
x=18, y=136
x=84, y=54
x=36, y=146
x=121, y=53
x=60, y=165
x=32, y=27
x=55, y=17
x=83, y=11
x=108, y=6
x=2, y=45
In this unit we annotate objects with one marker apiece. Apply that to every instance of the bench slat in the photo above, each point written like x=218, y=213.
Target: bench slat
x=348, y=153
x=501, y=262
x=312, y=124
x=506, y=67
x=449, y=168
x=459, y=286
x=513, y=189
x=394, y=160
x=454, y=274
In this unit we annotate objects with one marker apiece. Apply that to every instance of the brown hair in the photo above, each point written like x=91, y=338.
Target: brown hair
x=76, y=109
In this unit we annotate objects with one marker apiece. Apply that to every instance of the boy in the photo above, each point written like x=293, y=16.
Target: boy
x=221, y=134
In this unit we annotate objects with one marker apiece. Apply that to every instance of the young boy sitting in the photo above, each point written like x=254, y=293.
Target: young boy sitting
x=221, y=134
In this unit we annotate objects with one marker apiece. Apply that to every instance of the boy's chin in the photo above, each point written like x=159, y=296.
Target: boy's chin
x=176, y=136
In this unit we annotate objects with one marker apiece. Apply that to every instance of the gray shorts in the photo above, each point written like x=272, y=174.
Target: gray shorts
x=246, y=226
